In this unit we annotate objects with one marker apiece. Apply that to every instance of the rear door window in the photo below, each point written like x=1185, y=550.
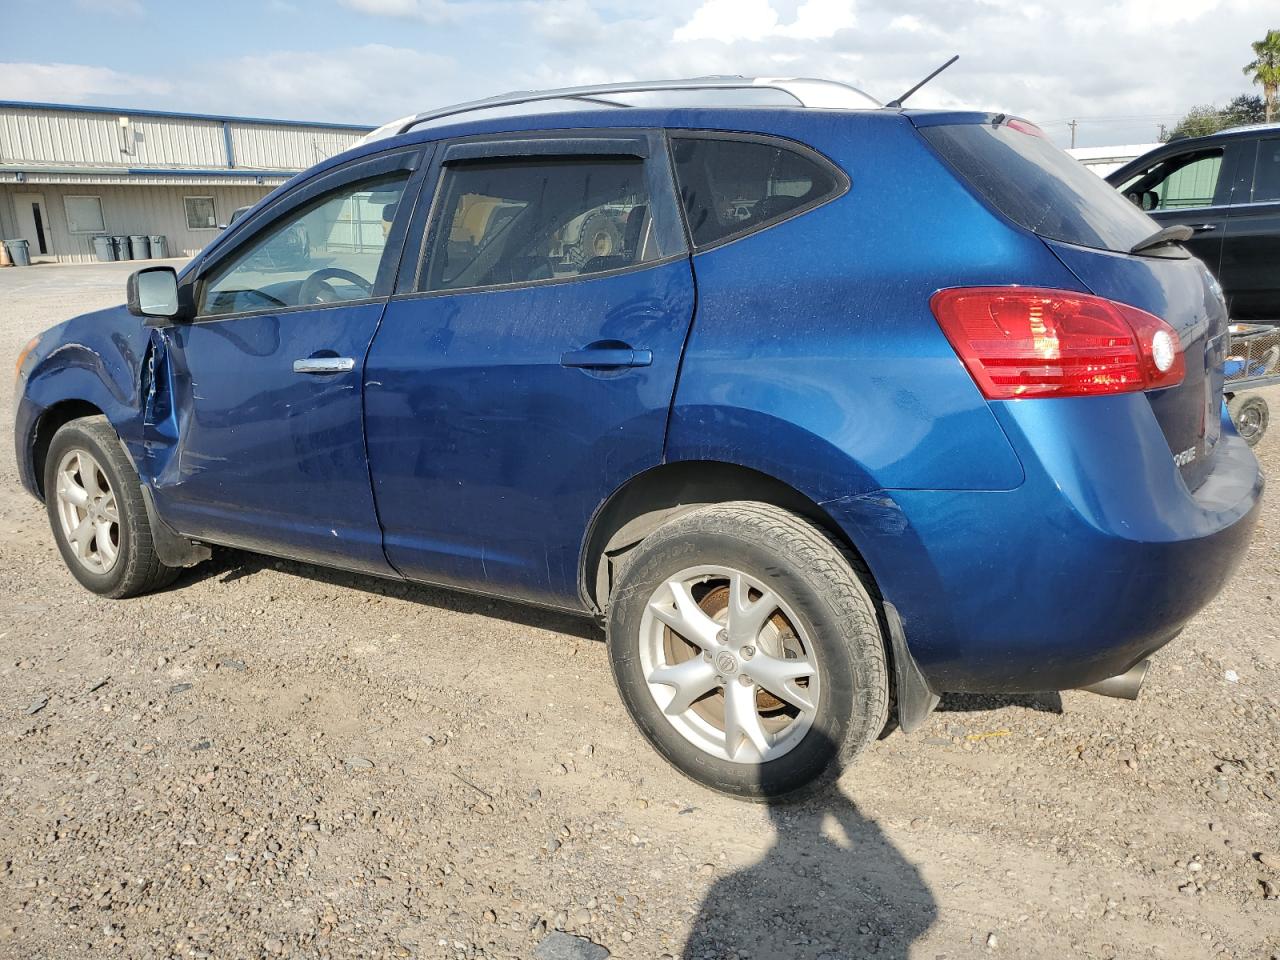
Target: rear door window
x=529, y=220
x=1040, y=187
x=732, y=186
x=1266, y=177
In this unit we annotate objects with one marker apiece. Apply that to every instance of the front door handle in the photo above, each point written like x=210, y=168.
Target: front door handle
x=324, y=365
x=603, y=358
x=1205, y=227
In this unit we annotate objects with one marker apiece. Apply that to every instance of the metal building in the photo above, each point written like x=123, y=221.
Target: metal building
x=1102, y=160
x=70, y=173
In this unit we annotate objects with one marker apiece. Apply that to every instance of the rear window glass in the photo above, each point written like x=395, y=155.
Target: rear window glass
x=730, y=187
x=1040, y=187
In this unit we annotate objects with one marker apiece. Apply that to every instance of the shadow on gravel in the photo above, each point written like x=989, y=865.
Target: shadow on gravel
x=228, y=566
x=1048, y=702
x=832, y=887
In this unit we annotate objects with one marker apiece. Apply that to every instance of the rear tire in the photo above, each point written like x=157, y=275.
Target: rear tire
x=94, y=501
x=739, y=610
x=1251, y=415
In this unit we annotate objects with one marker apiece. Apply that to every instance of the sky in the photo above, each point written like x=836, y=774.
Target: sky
x=1120, y=68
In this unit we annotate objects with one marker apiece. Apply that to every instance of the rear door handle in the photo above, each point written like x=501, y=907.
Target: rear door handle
x=603, y=358
x=1205, y=227
x=324, y=365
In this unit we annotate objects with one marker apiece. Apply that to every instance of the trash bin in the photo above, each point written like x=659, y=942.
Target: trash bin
x=19, y=252
x=104, y=249
x=121, y=246
x=140, y=247
x=159, y=247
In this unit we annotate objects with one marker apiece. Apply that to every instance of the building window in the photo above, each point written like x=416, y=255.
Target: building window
x=84, y=215
x=200, y=214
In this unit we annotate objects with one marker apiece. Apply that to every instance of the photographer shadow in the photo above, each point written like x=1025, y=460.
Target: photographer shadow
x=831, y=887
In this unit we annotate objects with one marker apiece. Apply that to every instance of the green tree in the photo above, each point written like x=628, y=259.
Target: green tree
x=1265, y=69
x=1245, y=109
x=1199, y=122
x=1206, y=119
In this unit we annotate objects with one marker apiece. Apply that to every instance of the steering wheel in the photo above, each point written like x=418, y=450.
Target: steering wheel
x=316, y=289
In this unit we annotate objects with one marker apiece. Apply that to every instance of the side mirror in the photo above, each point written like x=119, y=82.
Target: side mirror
x=153, y=295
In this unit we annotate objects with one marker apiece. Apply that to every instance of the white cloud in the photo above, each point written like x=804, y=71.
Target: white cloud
x=908, y=22
x=730, y=21
x=75, y=83
x=373, y=83
x=116, y=8
x=431, y=11
x=819, y=19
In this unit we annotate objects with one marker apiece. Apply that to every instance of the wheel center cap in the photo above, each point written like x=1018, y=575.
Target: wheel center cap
x=726, y=662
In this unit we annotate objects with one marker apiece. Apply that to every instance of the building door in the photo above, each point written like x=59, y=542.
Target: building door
x=33, y=223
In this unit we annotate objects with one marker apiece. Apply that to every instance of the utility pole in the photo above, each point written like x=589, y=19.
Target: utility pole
x=1164, y=133
x=1072, y=125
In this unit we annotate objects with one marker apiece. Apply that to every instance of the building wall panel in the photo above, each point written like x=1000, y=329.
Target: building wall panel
x=133, y=209
x=59, y=151
x=262, y=147
x=66, y=137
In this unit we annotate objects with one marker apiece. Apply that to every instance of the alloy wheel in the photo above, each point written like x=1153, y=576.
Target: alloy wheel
x=729, y=665
x=88, y=511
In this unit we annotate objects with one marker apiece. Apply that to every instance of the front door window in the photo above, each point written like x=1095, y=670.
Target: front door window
x=1175, y=183
x=327, y=252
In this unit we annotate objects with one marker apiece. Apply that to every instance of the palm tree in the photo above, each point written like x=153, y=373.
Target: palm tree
x=1265, y=69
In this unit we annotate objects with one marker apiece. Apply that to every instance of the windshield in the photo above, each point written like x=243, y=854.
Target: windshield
x=1040, y=187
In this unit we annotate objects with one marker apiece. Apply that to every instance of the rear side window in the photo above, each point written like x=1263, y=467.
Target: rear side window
x=525, y=221
x=1040, y=187
x=731, y=186
x=1266, y=179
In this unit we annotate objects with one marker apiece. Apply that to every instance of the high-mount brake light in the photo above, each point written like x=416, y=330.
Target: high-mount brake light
x=1021, y=342
x=1027, y=127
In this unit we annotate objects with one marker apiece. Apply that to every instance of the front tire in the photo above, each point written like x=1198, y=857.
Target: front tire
x=94, y=501
x=748, y=650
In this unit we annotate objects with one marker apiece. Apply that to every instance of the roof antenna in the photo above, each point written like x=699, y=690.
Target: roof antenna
x=898, y=102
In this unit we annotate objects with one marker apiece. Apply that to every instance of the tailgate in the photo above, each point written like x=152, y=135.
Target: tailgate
x=1183, y=294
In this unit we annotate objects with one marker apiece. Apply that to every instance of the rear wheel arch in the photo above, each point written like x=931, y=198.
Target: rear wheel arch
x=660, y=494
x=50, y=422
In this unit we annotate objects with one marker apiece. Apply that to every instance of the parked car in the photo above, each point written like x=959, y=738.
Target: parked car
x=938, y=413
x=1226, y=187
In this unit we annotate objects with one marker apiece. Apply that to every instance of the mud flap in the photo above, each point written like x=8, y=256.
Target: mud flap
x=915, y=698
x=172, y=549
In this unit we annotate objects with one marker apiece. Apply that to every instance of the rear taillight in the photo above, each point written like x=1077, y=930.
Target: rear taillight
x=1029, y=342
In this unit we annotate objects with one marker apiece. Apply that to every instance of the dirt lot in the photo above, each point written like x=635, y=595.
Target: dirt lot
x=272, y=759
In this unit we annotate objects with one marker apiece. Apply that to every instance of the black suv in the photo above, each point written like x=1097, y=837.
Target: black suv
x=1226, y=187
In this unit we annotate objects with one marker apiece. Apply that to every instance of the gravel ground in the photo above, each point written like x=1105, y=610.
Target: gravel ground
x=273, y=759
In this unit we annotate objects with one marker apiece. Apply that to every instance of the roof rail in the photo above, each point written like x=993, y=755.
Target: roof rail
x=1252, y=127
x=806, y=93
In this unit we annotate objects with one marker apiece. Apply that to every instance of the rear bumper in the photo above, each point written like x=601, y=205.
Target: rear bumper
x=1098, y=559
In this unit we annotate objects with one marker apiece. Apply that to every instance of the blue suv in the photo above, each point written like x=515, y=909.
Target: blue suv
x=817, y=405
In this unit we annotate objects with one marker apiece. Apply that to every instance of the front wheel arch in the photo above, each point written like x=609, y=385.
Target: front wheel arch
x=50, y=422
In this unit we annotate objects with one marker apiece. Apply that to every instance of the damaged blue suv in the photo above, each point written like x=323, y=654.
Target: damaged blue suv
x=817, y=405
